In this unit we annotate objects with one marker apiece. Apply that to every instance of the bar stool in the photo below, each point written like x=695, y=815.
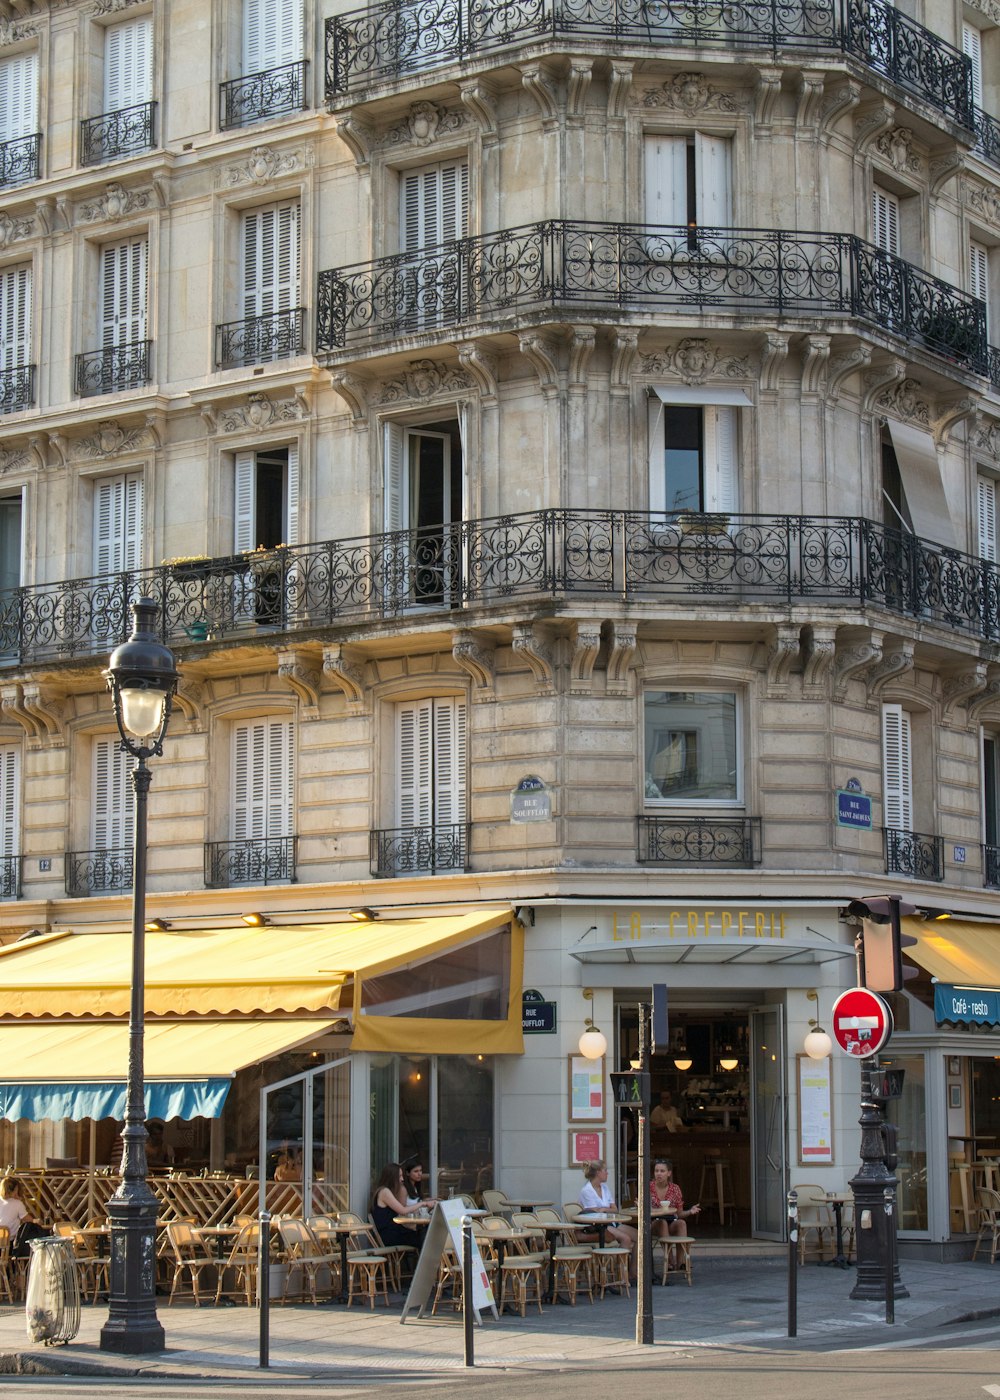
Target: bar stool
x=611, y=1263
x=716, y=1187
x=985, y=1172
x=959, y=1175
x=367, y=1278
x=680, y=1246
x=525, y=1277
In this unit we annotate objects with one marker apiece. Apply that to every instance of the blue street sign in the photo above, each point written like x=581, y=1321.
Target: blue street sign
x=854, y=809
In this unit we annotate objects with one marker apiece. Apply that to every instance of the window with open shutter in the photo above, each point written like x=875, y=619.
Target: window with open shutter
x=431, y=762
x=118, y=523
x=885, y=221
x=114, y=805
x=986, y=517
x=11, y=541
x=897, y=780
x=128, y=64
x=666, y=180
x=123, y=293
x=10, y=800
x=972, y=47
x=263, y=779
x=270, y=260
x=979, y=275
x=18, y=96
x=272, y=34
x=693, y=457
x=266, y=499
x=15, y=317
x=713, y=181
x=689, y=180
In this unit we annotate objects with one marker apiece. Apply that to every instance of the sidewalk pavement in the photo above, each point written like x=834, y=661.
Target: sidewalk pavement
x=733, y=1302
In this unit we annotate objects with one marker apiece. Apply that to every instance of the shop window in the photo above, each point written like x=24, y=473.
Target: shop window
x=692, y=747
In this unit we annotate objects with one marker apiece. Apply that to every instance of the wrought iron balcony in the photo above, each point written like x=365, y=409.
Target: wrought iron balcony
x=10, y=877
x=419, y=850
x=264, y=860
x=991, y=867
x=114, y=135
x=987, y=137
x=911, y=853
x=113, y=369
x=680, y=840
x=17, y=388
x=259, y=340
x=19, y=160
x=588, y=266
x=98, y=872
x=393, y=40
x=256, y=98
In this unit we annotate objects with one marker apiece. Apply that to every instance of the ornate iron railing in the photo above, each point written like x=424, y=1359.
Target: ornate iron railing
x=20, y=159
x=911, y=853
x=991, y=866
x=10, y=877
x=265, y=860
x=17, y=388
x=98, y=872
x=392, y=39
x=987, y=137
x=259, y=96
x=666, y=840
x=113, y=135
x=258, y=340
x=782, y=560
x=112, y=369
x=631, y=266
x=419, y=850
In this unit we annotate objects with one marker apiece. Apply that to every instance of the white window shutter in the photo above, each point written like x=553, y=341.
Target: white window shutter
x=123, y=292
x=248, y=792
x=132, y=523
x=656, y=419
x=272, y=34
x=972, y=47
x=414, y=754
x=292, y=496
x=128, y=64
x=117, y=523
x=394, y=446
x=251, y=251
x=454, y=201
x=434, y=205
x=666, y=180
x=279, y=778
x=244, y=515
x=885, y=221
x=897, y=795
x=979, y=275
x=713, y=180
x=15, y=317
x=10, y=800
x=449, y=761
x=986, y=517
x=270, y=260
x=18, y=96
x=720, y=464
x=113, y=806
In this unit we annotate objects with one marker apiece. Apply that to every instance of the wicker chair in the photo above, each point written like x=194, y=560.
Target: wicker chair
x=191, y=1255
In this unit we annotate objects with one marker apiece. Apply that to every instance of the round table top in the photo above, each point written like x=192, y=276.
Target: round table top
x=604, y=1217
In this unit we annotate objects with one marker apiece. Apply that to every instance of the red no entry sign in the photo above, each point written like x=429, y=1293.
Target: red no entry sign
x=862, y=1022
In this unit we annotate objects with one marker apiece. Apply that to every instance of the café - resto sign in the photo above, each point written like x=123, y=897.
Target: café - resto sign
x=979, y=1006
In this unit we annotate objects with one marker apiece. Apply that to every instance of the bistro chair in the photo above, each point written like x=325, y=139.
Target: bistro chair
x=6, y=1270
x=93, y=1266
x=191, y=1255
x=449, y=1277
x=989, y=1221
x=306, y=1254
x=242, y=1261
x=397, y=1255
x=815, y=1217
x=496, y=1202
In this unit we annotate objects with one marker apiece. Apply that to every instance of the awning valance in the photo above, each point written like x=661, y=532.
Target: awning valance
x=76, y=1069
x=974, y=1006
x=957, y=951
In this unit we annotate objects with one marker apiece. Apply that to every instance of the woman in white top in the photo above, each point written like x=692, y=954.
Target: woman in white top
x=15, y=1217
x=596, y=1195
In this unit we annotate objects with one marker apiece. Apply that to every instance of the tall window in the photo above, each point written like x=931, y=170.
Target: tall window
x=434, y=212
x=689, y=180
x=986, y=517
x=272, y=34
x=693, y=457
x=991, y=808
x=431, y=762
x=114, y=805
x=897, y=768
x=10, y=813
x=267, y=498
x=123, y=293
x=16, y=390
x=691, y=744
x=10, y=542
x=979, y=275
x=263, y=780
x=128, y=64
x=18, y=118
x=270, y=282
x=118, y=523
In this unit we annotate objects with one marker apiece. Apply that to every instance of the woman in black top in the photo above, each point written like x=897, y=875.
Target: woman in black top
x=390, y=1200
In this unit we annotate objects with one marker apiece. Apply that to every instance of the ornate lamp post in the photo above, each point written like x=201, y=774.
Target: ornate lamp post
x=142, y=678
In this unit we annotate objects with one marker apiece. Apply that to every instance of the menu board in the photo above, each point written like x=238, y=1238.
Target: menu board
x=815, y=1111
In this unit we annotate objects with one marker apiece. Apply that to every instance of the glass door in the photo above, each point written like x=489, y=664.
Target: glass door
x=768, y=1126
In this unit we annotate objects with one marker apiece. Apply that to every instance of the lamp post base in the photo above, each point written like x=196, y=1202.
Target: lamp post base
x=132, y=1328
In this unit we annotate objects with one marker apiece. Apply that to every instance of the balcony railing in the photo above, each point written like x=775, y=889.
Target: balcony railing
x=987, y=137
x=589, y=266
x=19, y=160
x=10, y=877
x=392, y=40
x=914, y=854
x=265, y=860
x=114, y=135
x=17, y=388
x=113, y=369
x=783, y=560
x=991, y=866
x=256, y=98
x=732, y=841
x=258, y=340
x=420, y=850
x=98, y=872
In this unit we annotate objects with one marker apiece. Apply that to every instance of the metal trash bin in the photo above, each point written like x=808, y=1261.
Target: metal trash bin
x=52, y=1301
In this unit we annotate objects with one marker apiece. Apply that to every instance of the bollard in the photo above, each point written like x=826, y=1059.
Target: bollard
x=468, y=1314
x=793, y=1263
x=890, y=1261
x=264, y=1287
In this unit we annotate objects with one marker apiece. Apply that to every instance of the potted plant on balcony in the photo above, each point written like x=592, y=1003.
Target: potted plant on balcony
x=691, y=522
x=188, y=566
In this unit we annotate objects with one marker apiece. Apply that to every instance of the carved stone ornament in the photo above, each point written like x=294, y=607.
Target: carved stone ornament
x=259, y=412
x=983, y=201
x=695, y=361
x=987, y=437
x=111, y=7
x=422, y=380
x=110, y=440
x=896, y=146
x=989, y=8
x=262, y=166
x=691, y=92
x=12, y=33
x=11, y=229
x=14, y=459
x=115, y=203
x=904, y=401
x=424, y=124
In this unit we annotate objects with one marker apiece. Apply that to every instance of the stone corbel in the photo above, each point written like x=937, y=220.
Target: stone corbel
x=871, y=121
x=816, y=357
x=896, y=659
x=989, y=694
x=354, y=391
x=581, y=73
x=480, y=100
x=819, y=649
x=952, y=412
x=530, y=642
x=37, y=444
x=57, y=450
x=619, y=85
x=155, y=423
x=810, y=94
x=581, y=348
x=766, y=93
x=341, y=665
x=959, y=687
x=622, y=641
x=47, y=710
x=306, y=680
x=782, y=653
x=189, y=698
x=586, y=645
x=541, y=353
x=12, y=706
x=879, y=377
x=841, y=368
x=773, y=353
x=942, y=168
x=161, y=190
x=64, y=212
x=853, y=658
x=357, y=137
x=209, y=417
x=44, y=209
x=476, y=657
x=482, y=367
x=625, y=344
x=537, y=80
x=841, y=101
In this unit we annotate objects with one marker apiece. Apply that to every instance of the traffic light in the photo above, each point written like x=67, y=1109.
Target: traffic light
x=882, y=941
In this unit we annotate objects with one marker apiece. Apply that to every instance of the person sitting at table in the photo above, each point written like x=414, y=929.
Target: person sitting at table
x=17, y=1219
x=665, y=1116
x=596, y=1195
x=664, y=1191
x=289, y=1167
x=413, y=1181
x=388, y=1201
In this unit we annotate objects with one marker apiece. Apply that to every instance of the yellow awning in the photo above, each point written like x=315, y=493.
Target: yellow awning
x=955, y=951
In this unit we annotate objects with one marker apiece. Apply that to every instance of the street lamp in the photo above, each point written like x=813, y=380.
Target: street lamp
x=142, y=678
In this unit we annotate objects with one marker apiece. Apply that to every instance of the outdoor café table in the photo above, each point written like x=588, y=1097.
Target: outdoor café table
x=216, y=1235
x=601, y=1220
x=839, y=1260
x=502, y=1238
x=522, y=1203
